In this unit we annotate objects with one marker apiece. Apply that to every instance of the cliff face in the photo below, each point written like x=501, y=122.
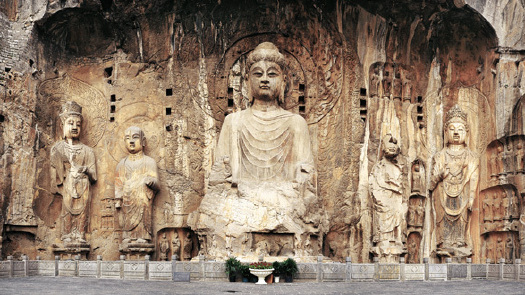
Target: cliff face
x=359, y=70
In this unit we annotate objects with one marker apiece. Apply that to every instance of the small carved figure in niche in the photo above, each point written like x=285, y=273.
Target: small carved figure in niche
x=505, y=206
x=175, y=245
x=520, y=153
x=407, y=87
x=509, y=248
x=397, y=86
x=493, y=165
x=387, y=82
x=375, y=81
x=509, y=158
x=164, y=248
x=420, y=215
x=73, y=171
x=500, y=165
x=487, y=209
x=416, y=178
x=496, y=206
x=168, y=213
x=413, y=252
x=388, y=187
x=188, y=246
x=454, y=183
x=490, y=252
x=412, y=214
x=500, y=249
x=515, y=206
x=136, y=183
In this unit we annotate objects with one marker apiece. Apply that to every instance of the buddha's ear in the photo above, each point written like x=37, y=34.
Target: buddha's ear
x=248, y=89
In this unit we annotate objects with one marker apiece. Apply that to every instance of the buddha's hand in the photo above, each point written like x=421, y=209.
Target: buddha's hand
x=149, y=181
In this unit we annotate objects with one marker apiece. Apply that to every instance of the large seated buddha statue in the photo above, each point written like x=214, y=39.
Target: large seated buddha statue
x=262, y=196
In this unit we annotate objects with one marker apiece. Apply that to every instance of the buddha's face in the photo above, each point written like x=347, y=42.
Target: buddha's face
x=72, y=127
x=266, y=80
x=456, y=133
x=390, y=146
x=134, y=141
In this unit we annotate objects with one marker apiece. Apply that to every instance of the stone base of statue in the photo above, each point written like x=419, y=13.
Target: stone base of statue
x=269, y=219
x=388, y=252
x=136, y=250
x=68, y=250
x=458, y=253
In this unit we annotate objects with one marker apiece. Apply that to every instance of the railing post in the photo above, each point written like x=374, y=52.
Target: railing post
x=57, y=259
x=77, y=265
x=402, y=266
x=348, y=269
x=469, y=268
x=517, y=264
x=427, y=268
x=26, y=265
x=319, y=269
x=11, y=270
x=122, y=259
x=500, y=268
x=202, y=261
x=376, y=268
x=146, y=267
x=99, y=266
x=173, y=266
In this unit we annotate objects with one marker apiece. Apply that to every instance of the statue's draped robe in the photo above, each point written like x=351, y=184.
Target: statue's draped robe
x=267, y=157
x=137, y=198
x=72, y=185
x=388, y=188
x=453, y=177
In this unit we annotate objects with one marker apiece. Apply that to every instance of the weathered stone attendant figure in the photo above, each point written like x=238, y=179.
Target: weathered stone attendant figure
x=454, y=185
x=136, y=183
x=264, y=178
x=389, y=191
x=73, y=171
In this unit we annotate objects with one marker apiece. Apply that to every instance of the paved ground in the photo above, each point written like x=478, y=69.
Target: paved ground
x=77, y=286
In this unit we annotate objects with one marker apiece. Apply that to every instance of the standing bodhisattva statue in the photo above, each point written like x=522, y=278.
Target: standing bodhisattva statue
x=136, y=183
x=263, y=179
x=454, y=184
x=73, y=170
x=389, y=191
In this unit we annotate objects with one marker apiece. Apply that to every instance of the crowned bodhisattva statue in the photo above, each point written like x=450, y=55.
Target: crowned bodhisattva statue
x=73, y=171
x=454, y=186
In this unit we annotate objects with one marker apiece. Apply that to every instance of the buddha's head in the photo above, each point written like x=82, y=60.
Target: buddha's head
x=266, y=73
x=456, y=126
x=134, y=139
x=390, y=146
x=71, y=117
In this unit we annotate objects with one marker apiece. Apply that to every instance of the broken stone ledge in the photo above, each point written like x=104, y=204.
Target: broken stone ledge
x=214, y=271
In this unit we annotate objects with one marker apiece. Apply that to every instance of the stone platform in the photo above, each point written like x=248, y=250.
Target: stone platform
x=88, y=286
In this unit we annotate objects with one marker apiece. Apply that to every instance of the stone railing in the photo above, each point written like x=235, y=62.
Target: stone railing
x=215, y=271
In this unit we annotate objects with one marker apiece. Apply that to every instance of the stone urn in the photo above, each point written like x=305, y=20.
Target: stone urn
x=261, y=274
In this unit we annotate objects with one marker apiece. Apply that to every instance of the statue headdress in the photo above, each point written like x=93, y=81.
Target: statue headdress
x=71, y=108
x=455, y=114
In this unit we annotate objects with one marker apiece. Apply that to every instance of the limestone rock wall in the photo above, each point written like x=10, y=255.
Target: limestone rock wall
x=361, y=69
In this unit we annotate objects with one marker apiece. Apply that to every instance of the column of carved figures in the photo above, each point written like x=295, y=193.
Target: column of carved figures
x=136, y=184
x=73, y=171
x=416, y=212
x=388, y=187
x=454, y=183
x=499, y=220
x=387, y=81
